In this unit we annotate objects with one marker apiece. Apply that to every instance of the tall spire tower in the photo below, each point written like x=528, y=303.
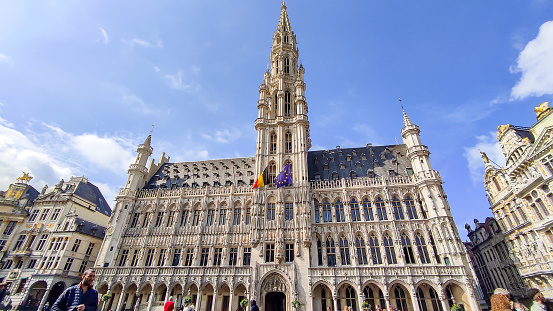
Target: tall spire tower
x=282, y=139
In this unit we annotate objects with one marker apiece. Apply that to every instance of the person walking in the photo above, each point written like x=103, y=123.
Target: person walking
x=254, y=306
x=169, y=305
x=540, y=303
x=79, y=297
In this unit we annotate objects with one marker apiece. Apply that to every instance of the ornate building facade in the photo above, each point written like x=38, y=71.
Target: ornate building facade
x=59, y=236
x=356, y=224
x=521, y=198
x=491, y=261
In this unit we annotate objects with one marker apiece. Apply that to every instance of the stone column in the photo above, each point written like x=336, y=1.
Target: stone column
x=45, y=297
x=151, y=300
x=215, y=293
x=198, y=300
x=445, y=305
x=387, y=298
x=231, y=300
x=414, y=298
x=336, y=303
x=360, y=298
x=121, y=302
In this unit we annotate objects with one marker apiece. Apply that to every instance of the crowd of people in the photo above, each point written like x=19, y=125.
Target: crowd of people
x=501, y=301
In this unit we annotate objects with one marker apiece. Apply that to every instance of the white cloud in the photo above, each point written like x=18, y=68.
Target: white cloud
x=137, y=104
x=489, y=145
x=175, y=81
x=143, y=43
x=223, y=136
x=50, y=154
x=104, y=35
x=5, y=59
x=535, y=63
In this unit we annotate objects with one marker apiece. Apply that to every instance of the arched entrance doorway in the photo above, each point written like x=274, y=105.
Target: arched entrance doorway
x=275, y=293
x=55, y=292
x=275, y=301
x=36, y=291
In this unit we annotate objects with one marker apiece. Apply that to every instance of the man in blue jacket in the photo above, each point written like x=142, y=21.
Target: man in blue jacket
x=79, y=297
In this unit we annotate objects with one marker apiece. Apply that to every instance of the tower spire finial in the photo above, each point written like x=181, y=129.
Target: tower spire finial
x=406, y=120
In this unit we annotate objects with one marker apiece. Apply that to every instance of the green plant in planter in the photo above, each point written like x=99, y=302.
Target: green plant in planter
x=366, y=305
x=456, y=307
x=106, y=296
x=244, y=303
x=295, y=304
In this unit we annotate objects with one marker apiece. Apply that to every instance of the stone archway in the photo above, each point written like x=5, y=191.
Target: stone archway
x=36, y=292
x=55, y=292
x=275, y=294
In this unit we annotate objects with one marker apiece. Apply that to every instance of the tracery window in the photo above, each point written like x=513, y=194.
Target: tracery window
x=401, y=299
x=271, y=211
x=375, y=249
x=236, y=218
x=434, y=248
x=288, y=211
x=327, y=213
x=340, y=216
x=421, y=299
x=368, y=210
x=319, y=252
x=272, y=173
x=398, y=211
x=361, y=250
x=273, y=143
x=344, y=250
x=381, y=209
x=355, y=215
x=410, y=206
x=421, y=246
x=286, y=63
x=389, y=248
x=210, y=215
x=436, y=303
x=407, y=249
x=350, y=298
x=222, y=216
x=287, y=104
x=330, y=251
x=317, y=220
x=288, y=142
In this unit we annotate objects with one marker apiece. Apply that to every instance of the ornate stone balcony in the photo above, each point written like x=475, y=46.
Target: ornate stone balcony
x=183, y=192
x=361, y=182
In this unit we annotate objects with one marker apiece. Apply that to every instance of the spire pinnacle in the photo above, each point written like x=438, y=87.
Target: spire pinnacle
x=284, y=22
x=406, y=120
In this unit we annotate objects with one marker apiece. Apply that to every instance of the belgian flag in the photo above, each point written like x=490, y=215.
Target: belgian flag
x=263, y=179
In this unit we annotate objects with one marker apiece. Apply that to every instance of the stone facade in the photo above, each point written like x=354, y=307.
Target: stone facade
x=356, y=224
x=59, y=237
x=493, y=266
x=521, y=199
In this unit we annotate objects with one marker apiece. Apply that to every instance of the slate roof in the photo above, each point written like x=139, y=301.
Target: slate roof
x=90, y=192
x=368, y=161
x=90, y=228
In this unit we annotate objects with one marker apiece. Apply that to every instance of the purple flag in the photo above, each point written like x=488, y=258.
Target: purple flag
x=283, y=178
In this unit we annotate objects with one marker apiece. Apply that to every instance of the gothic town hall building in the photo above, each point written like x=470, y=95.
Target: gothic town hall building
x=357, y=224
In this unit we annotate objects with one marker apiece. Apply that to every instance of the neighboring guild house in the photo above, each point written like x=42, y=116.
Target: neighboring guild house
x=493, y=261
x=521, y=197
x=58, y=241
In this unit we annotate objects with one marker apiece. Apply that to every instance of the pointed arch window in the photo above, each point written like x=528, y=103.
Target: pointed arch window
x=421, y=246
x=436, y=303
x=368, y=210
x=401, y=299
x=350, y=298
x=434, y=248
x=389, y=248
x=375, y=249
x=273, y=143
x=272, y=172
x=421, y=299
x=407, y=249
x=287, y=104
x=410, y=206
x=289, y=163
x=340, y=216
x=354, y=206
x=344, y=250
x=288, y=142
x=330, y=251
x=319, y=252
x=317, y=217
x=398, y=211
x=361, y=250
x=381, y=209
x=327, y=213
x=286, y=61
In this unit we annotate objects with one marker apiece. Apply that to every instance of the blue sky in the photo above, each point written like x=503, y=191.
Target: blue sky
x=81, y=82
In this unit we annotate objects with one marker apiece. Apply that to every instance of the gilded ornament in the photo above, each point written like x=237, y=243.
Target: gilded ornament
x=501, y=129
x=542, y=109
